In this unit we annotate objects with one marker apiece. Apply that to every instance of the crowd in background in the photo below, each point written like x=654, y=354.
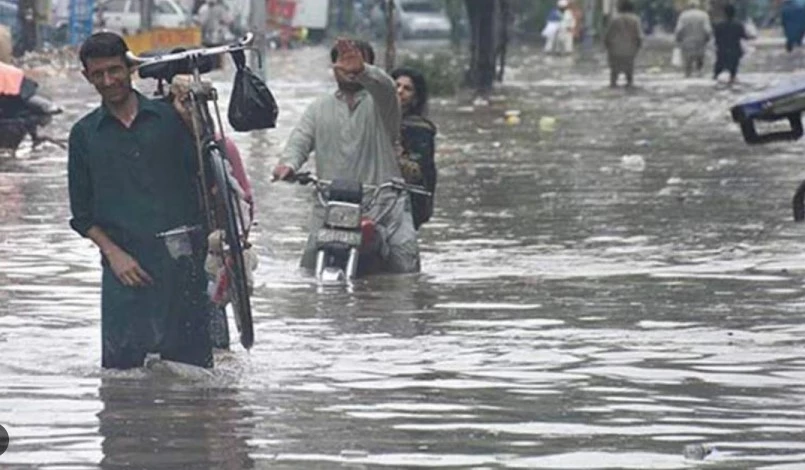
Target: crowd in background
x=559, y=25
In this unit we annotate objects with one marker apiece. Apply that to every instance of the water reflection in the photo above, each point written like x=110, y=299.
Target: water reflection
x=12, y=196
x=156, y=424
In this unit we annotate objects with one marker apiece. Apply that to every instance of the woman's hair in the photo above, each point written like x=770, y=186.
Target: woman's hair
x=420, y=104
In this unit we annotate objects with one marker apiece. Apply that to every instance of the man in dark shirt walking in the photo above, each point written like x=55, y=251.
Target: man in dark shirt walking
x=728, y=35
x=132, y=176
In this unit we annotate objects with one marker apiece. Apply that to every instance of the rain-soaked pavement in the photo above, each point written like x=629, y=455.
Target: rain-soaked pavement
x=600, y=296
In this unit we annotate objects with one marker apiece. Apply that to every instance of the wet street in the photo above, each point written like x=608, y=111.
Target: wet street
x=602, y=295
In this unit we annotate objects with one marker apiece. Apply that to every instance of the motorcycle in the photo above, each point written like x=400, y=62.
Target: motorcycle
x=349, y=234
x=21, y=117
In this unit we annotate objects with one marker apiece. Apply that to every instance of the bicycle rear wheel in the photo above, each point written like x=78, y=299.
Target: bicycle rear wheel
x=232, y=222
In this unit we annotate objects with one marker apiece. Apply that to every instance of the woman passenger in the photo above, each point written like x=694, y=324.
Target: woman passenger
x=418, y=136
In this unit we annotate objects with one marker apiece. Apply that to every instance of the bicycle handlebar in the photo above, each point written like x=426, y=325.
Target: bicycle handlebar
x=243, y=43
x=188, y=60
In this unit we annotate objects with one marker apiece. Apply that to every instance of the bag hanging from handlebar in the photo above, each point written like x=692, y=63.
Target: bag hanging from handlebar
x=252, y=106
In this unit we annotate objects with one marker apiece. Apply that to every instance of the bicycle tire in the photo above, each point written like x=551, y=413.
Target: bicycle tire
x=234, y=231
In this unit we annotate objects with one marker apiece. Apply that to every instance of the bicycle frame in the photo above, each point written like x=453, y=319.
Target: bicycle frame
x=222, y=213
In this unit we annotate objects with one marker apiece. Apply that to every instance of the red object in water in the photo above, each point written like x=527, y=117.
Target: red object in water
x=367, y=233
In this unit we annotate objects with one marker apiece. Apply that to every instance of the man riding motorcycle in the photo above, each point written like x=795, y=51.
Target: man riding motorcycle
x=353, y=134
x=21, y=109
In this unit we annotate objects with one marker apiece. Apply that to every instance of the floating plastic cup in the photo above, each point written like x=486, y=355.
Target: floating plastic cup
x=512, y=117
x=547, y=124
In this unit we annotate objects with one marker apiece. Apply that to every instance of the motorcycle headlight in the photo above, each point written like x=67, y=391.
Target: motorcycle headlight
x=343, y=215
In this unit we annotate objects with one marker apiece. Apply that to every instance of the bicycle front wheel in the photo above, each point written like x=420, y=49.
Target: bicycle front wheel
x=231, y=220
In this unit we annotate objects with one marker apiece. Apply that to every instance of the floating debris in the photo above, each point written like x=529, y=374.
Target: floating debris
x=512, y=117
x=547, y=124
x=480, y=102
x=633, y=162
x=697, y=451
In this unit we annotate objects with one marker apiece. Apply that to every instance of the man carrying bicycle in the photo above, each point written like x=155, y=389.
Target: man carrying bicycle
x=131, y=169
x=353, y=133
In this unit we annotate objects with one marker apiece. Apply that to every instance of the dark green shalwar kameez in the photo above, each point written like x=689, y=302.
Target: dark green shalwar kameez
x=134, y=183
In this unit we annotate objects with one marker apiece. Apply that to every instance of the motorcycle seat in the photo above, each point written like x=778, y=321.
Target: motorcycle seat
x=43, y=106
x=776, y=103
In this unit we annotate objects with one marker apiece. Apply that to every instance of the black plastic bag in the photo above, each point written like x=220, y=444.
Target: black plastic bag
x=252, y=106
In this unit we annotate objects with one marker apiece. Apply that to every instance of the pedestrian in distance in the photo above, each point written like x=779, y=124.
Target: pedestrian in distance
x=623, y=41
x=728, y=35
x=792, y=17
x=693, y=32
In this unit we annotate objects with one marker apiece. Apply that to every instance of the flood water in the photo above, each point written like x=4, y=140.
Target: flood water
x=599, y=296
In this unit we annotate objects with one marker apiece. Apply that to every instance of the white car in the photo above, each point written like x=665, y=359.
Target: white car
x=414, y=19
x=123, y=16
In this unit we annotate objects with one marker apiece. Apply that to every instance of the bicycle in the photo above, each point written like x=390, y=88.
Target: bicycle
x=221, y=207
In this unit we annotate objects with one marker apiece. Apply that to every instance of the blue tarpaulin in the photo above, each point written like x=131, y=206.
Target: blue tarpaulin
x=80, y=22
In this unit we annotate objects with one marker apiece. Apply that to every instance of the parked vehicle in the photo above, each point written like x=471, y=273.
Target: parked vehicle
x=414, y=19
x=123, y=16
x=312, y=15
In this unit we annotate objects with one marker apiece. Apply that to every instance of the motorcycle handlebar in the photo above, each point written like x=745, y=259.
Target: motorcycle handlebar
x=396, y=184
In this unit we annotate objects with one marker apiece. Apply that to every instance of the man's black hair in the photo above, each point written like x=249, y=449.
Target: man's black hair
x=420, y=106
x=626, y=6
x=729, y=11
x=103, y=45
x=366, y=51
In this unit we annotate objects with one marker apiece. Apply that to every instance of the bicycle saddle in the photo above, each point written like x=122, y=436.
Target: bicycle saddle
x=167, y=70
